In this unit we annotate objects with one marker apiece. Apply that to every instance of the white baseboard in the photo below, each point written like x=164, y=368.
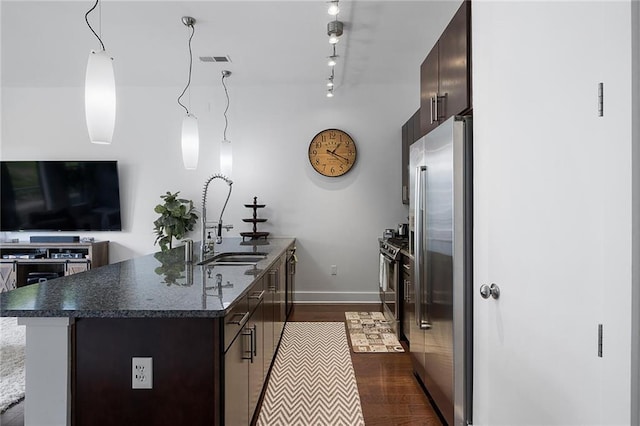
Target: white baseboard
x=336, y=297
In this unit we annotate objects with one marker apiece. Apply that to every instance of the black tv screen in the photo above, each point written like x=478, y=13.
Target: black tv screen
x=60, y=196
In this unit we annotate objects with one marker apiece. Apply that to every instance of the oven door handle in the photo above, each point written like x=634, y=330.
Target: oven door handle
x=385, y=264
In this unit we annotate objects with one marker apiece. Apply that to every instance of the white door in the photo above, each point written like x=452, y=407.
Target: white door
x=542, y=178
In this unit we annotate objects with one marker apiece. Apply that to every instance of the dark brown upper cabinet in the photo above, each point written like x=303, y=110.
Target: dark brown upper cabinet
x=445, y=74
x=410, y=134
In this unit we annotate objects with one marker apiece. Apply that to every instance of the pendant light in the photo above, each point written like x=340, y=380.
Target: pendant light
x=226, y=154
x=99, y=92
x=190, y=138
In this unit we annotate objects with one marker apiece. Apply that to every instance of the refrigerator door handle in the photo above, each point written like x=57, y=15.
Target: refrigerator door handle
x=420, y=281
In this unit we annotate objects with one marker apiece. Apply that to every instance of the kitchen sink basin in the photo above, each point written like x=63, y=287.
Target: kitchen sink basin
x=235, y=258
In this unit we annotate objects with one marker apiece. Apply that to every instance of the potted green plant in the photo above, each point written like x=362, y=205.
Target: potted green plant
x=177, y=217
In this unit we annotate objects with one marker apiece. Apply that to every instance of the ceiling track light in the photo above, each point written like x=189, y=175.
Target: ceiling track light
x=334, y=31
x=333, y=9
x=99, y=92
x=190, y=137
x=333, y=59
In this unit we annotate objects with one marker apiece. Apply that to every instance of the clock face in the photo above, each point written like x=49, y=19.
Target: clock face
x=332, y=152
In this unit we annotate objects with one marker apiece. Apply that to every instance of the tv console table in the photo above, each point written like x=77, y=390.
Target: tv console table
x=26, y=263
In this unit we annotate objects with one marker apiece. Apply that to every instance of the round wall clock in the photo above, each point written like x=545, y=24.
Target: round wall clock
x=332, y=152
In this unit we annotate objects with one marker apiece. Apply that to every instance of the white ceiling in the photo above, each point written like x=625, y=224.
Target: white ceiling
x=46, y=43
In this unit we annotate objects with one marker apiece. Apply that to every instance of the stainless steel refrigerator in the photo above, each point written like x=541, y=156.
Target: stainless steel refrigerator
x=440, y=225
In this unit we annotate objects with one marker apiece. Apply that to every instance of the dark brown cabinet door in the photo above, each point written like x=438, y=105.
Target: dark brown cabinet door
x=454, y=85
x=445, y=74
x=429, y=76
x=405, y=162
x=410, y=134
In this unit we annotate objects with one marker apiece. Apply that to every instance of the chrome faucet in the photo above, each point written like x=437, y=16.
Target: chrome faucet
x=205, y=244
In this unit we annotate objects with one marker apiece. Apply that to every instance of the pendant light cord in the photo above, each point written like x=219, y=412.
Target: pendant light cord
x=193, y=30
x=86, y=18
x=226, y=92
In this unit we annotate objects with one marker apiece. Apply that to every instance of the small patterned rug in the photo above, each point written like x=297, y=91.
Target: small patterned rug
x=370, y=332
x=312, y=381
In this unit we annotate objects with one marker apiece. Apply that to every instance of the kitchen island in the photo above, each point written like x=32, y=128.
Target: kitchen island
x=210, y=329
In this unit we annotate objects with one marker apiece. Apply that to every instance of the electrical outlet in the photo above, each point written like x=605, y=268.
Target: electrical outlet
x=141, y=373
x=334, y=269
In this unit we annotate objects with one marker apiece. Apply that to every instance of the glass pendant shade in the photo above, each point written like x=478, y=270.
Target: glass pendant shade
x=100, y=97
x=190, y=142
x=226, y=158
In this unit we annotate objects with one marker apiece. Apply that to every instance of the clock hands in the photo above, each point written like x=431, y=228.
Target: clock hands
x=338, y=156
x=334, y=149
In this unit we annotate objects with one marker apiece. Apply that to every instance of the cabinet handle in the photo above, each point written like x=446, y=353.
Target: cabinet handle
x=243, y=319
x=275, y=273
x=258, y=296
x=248, y=332
x=442, y=99
x=431, y=101
x=437, y=116
x=254, y=339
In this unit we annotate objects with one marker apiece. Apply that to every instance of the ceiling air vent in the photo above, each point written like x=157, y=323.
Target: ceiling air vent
x=215, y=59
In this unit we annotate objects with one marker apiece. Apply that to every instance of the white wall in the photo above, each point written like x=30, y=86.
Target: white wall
x=336, y=220
x=635, y=319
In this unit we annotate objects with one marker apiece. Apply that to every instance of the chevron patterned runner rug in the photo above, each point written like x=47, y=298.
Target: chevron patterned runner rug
x=312, y=382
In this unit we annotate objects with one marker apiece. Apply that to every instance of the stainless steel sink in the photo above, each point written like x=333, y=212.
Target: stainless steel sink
x=235, y=258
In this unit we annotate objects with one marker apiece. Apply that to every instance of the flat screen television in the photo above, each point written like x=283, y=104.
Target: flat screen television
x=59, y=196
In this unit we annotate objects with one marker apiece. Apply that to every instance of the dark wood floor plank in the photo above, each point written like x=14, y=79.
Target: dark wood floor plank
x=14, y=416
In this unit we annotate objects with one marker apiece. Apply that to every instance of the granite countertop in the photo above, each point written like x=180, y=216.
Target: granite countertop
x=156, y=285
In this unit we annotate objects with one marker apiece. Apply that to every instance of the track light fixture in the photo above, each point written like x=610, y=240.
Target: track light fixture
x=334, y=9
x=190, y=137
x=99, y=92
x=334, y=31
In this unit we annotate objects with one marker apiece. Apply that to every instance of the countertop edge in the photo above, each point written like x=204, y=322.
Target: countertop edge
x=287, y=243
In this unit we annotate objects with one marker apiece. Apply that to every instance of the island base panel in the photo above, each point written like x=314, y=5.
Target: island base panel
x=186, y=371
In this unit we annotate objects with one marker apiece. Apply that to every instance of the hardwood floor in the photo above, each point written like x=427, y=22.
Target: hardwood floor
x=14, y=416
x=389, y=393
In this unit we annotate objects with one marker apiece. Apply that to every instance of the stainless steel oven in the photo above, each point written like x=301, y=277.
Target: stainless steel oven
x=390, y=289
